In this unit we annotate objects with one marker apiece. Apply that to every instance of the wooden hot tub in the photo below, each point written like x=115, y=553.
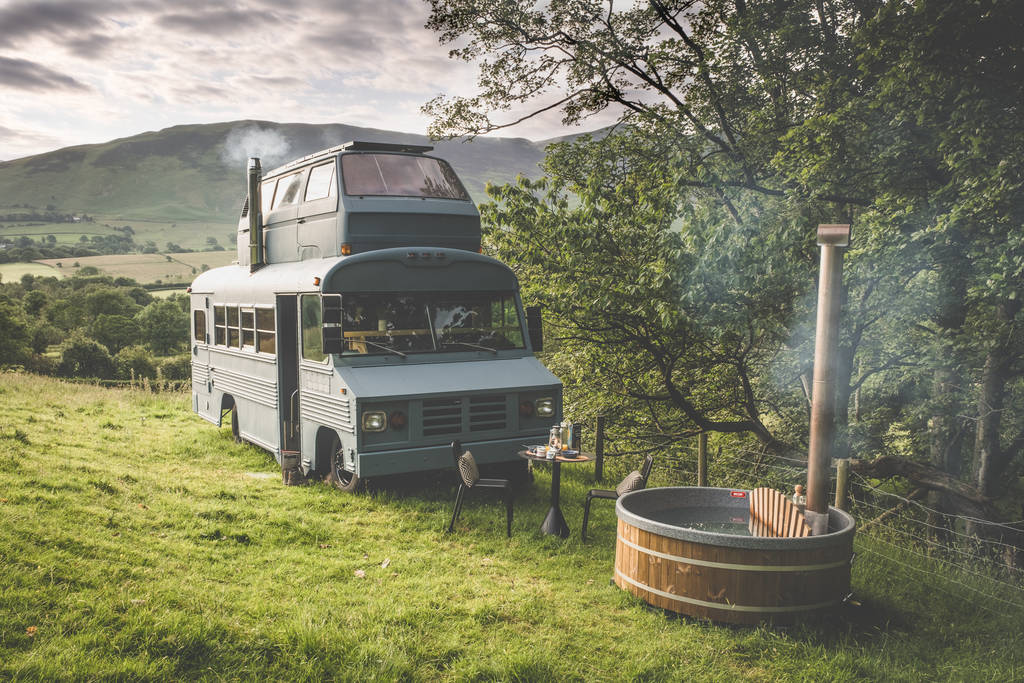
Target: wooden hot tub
x=687, y=549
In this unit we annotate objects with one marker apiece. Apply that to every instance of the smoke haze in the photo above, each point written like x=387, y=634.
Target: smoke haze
x=252, y=141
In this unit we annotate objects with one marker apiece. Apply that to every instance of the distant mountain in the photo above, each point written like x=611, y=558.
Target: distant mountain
x=197, y=172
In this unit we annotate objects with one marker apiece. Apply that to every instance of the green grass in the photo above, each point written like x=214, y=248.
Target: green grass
x=137, y=541
x=190, y=234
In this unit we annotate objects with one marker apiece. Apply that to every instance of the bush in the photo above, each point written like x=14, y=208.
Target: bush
x=45, y=335
x=41, y=365
x=177, y=367
x=84, y=357
x=137, y=360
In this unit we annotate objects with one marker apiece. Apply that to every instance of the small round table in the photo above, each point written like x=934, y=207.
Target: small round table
x=554, y=523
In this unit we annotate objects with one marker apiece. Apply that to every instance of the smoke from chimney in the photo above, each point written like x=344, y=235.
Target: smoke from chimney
x=252, y=141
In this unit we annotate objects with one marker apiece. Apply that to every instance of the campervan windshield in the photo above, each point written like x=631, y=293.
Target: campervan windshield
x=400, y=175
x=429, y=322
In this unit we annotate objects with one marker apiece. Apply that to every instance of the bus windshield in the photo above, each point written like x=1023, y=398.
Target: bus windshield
x=399, y=175
x=421, y=322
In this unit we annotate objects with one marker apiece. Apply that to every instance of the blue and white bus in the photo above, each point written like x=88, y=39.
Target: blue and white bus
x=361, y=332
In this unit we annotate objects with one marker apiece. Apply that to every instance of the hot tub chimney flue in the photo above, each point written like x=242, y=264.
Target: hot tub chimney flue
x=832, y=239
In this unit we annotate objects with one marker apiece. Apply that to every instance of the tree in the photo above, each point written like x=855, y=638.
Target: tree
x=84, y=357
x=670, y=327
x=15, y=338
x=164, y=325
x=901, y=117
x=135, y=361
x=115, y=331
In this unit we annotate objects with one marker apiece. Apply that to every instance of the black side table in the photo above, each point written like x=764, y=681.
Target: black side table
x=554, y=523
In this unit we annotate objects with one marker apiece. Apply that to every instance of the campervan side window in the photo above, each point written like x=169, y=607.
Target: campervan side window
x=312, y=342
x=287, y=190
x=219, y=326
x=267, y=194
x=199, y=326
x=321, y=182
x=266, y=341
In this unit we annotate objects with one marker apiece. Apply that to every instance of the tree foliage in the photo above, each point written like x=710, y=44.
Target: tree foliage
x=684, y=239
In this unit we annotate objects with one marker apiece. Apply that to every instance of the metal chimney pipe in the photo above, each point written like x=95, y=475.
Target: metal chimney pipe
x=832, y=239
x=256, y=255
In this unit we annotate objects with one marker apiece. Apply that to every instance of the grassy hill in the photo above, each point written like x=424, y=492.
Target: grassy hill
x=138, y=542
x=197, y=172
x=186, y=183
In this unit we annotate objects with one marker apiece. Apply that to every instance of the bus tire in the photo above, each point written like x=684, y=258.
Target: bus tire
x=235, y=434
x=350, y=482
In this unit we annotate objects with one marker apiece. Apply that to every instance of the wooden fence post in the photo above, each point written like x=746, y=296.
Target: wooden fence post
x=599, y=449
x=702, y=459
x=842, y=482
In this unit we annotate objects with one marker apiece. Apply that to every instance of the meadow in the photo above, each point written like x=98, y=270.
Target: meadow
x=146, y=268
x=189, y=234
x=137, y=541
x=12, y=272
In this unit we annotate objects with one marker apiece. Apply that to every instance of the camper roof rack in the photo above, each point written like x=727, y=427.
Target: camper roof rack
x=353, y=146
x=358, y=146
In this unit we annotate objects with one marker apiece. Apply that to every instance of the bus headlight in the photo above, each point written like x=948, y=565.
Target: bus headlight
x=545, y=407
x=375, y=421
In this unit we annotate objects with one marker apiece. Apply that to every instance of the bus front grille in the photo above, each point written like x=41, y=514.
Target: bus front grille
x=453, y=416
x=442, y=416
x=486, y=413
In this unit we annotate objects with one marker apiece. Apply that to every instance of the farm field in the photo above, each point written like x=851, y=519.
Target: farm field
x=147, y=268
x=139, y=542
x=188, y=234
x=64, y=233
x=12, y=272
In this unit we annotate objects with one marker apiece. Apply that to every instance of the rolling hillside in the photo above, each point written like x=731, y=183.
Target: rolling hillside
x=197, y=172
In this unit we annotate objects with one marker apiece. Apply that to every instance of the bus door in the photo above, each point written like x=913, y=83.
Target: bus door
x=288, y=372
x=201, y=380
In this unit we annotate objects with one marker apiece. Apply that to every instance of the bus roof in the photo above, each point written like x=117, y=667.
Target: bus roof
x=385, y=270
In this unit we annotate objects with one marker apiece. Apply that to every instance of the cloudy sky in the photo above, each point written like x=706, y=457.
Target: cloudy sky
x=83, y=71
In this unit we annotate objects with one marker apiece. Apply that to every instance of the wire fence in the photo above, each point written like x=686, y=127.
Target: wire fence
x=977, y=560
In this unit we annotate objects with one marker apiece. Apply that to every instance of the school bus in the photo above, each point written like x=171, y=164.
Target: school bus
x=361, y=332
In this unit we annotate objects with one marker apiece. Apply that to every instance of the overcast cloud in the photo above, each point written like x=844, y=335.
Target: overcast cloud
x=84, y=71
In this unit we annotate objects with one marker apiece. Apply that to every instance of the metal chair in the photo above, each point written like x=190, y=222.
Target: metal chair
x=470, y=476
x=634, y=481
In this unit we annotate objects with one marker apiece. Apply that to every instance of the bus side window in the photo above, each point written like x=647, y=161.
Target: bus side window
x=247, y=320
x=266, y=341
x=233, y=326
x=199, y=326
x=312, y=343
x=220, y=329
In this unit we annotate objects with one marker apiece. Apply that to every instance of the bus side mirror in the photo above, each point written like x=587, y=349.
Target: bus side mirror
x=330, y=330
x=534, y=328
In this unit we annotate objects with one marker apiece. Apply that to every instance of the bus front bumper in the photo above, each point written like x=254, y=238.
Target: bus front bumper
x=381, y=463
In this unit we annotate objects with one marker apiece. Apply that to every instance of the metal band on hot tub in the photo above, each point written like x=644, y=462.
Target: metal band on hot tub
x=739, y=567
x=724, y=605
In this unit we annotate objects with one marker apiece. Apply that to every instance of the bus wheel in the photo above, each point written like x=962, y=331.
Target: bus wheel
x=234, y=425
x=339, y=476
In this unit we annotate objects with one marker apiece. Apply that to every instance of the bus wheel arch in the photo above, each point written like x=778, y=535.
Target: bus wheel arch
x=330, y=452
